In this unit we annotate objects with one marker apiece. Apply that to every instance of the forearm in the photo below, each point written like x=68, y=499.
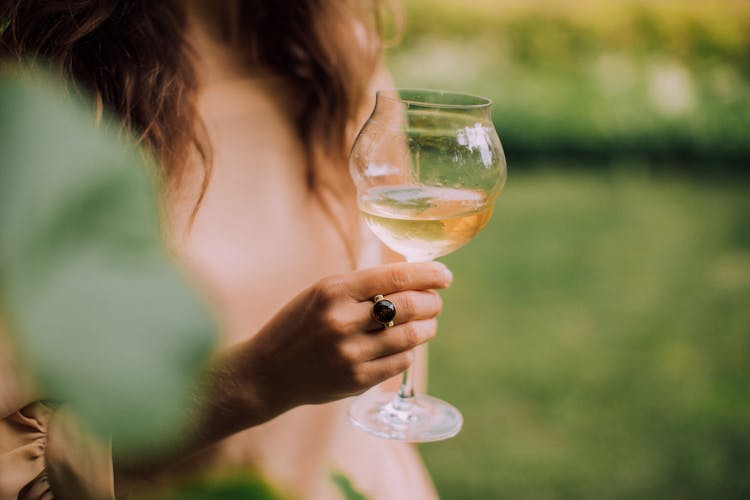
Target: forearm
x=322, y=346
x=234, y=396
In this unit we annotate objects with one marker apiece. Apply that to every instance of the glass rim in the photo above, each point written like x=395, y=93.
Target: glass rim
x=476, y=101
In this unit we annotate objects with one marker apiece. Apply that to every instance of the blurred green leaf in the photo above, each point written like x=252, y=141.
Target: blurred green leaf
x=346, y=487
x=105, y=321
x=234, y=487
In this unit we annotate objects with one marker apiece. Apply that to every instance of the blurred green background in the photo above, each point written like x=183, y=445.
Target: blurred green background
x=597, y=335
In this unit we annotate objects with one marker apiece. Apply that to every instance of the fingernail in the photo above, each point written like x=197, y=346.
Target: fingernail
x=448, y=275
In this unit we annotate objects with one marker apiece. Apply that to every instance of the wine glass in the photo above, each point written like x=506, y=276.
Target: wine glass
x=427, y=166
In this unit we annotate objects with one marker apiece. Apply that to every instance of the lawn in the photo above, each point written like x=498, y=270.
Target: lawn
x=597, y=335
x=597, y=340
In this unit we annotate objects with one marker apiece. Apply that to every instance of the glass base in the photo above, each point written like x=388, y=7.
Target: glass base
x=419, y=419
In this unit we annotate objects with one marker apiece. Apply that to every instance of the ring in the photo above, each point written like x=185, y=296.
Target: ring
x=383, y=311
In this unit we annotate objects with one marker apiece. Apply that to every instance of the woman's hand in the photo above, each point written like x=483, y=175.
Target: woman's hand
x=325, y=345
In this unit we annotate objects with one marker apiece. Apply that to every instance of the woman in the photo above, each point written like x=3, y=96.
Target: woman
x=251, y=108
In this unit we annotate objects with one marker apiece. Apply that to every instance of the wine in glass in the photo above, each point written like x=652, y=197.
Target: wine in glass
x=428, y=166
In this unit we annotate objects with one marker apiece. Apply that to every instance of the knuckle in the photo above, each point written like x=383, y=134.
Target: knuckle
x=411, y=335
x=408, y=304
x=327, y=289
x=349, y=352
x=399, y=277
x=361, y=378
x=336, y=321
x=402, y=361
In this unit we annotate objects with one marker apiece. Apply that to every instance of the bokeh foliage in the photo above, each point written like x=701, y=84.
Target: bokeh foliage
x=666, y=81
x=597, y=335
x=106, y=323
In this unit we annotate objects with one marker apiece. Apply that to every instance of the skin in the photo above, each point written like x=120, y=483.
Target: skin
x=324, y=345
x=296, y=322
x=279, y=354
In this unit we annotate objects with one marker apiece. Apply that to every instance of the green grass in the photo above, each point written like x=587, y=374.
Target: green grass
x=597, y=336
x=597, y=340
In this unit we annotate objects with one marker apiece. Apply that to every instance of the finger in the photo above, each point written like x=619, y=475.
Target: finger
x=392, y=278
x=400, y=338
x=381, y=369
x=410, y=306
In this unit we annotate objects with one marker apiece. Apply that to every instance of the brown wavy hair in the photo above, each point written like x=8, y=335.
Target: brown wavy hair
x=136, y=60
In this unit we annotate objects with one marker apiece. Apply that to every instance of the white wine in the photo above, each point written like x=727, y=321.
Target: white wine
x=424, y=222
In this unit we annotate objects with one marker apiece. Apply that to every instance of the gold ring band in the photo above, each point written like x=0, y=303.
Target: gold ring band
x=383, y=311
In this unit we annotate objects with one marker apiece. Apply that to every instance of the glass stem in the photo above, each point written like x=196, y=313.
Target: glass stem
x=407, y=385
x=404, y=400
x=405, y=397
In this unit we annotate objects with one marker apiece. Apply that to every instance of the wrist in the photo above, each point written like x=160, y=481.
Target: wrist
x=241, y=392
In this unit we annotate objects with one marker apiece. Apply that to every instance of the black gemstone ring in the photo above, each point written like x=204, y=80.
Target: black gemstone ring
x=383, y=311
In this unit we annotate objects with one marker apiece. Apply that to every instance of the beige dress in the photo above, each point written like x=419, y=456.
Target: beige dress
x=43, y=453
x=259, y=238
